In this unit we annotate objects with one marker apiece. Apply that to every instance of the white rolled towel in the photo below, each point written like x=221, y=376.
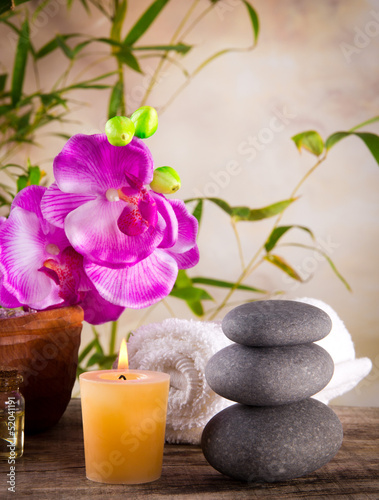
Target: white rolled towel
x=348, y=370
x=181, y=348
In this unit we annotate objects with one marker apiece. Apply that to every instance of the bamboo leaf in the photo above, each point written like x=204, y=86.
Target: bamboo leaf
x=22, y=182
x=53, y=45
x=328, y=259
x=226, y=284
x=254, y=20
x=20, y=63
x=310, y=140
x=283, y=265
x=98, y=347
x=180, y=47
x=34, y=176
x=217, y=201
x=89, y=84
x=102, y=360
x=86, y=350
x=3, y=80
x=126, y=57
x=247, y=214
x=144, y=22
x=196, y=307
x=183, y=280
x=64, y=47
x=5, y=6
x=371, y=141
x=278, y=232
x=115, y=99
x=190, y=293
x=198, y=211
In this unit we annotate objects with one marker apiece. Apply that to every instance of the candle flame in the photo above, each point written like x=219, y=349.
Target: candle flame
x=123, y=356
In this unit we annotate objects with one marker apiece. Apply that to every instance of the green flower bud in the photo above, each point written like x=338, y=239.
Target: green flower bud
x=119, y=130
x=165, y=180
x=145, y=120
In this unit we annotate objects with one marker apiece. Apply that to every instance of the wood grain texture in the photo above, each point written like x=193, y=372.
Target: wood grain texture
x=53, y=468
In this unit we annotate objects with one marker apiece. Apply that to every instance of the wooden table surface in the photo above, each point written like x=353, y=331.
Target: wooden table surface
x=53, y=468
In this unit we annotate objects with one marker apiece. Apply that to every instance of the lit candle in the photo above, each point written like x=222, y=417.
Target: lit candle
x=124, y=420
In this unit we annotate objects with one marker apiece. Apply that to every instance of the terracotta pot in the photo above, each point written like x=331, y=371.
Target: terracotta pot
x=43, y=346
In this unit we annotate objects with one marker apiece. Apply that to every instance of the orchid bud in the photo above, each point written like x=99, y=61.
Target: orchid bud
x=119, y=130
x=165, y=180
x=145, y=120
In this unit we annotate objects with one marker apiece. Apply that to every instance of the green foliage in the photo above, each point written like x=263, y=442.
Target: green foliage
x=311, y=141
x=20, y=63
x=245, y=213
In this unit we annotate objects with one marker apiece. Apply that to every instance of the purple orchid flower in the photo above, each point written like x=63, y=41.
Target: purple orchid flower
x=133, y=239
x=38, y=266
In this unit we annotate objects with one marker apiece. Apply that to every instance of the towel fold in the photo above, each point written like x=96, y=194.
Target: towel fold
x=181, y=348
x=348, y=371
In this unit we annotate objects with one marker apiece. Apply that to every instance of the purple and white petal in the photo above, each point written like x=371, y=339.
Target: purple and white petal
x=92, y=230
x=187, y=227
x=29, y=199
x=187, y=259
x=167, y=212
x=98, y=310
x=7, y=299
x=136, y=286
x=23, y=251
x=89, y=164
x=56, y=204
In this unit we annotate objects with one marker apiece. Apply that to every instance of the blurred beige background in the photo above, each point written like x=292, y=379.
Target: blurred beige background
x=313, y=68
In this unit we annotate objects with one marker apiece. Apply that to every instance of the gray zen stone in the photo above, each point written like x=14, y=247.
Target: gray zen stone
x=262, y=376
x=274, y=443
x=275, y=323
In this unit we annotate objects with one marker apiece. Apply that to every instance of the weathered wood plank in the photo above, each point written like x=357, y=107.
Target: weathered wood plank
x=53, y=468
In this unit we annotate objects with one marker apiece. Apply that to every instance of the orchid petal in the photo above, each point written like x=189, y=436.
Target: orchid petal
x=7, y=299
x=92, y=230
x=187, y=227
x=56, y=204
x=98, y=310
x=167, y=212
x=136, y=286
x=29, y=199
x=187, y=259
x=22, y=254
x=91, y=165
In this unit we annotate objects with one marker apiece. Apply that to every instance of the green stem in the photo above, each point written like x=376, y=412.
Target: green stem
x=112, y=342
x=234, y=226
x=121, y=80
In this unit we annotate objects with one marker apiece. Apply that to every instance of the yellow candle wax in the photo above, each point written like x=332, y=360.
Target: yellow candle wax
x=124, y=424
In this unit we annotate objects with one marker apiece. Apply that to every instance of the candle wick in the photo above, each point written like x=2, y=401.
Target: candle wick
x=122, y=377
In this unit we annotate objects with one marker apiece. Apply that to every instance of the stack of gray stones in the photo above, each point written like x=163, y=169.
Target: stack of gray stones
x=276, y=431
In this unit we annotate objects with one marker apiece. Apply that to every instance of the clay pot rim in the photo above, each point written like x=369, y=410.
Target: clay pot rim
x=61, y=316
